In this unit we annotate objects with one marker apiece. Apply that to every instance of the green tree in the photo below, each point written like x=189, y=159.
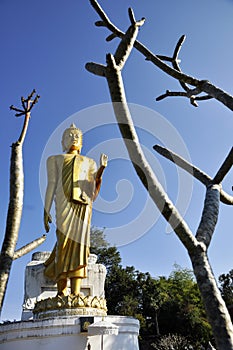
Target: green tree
x=173, y=305
x=122, y=291
x=226, y=288
x=98, y=240
x=183, y=311
x=107, y=255
x=163, y=305
x=121, y=285
x=155, y=294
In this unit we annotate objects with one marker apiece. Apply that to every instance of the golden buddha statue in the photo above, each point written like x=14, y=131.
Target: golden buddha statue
x=73, y=184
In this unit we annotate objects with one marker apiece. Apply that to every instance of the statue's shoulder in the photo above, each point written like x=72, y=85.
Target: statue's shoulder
x=56, y=159
x=87, y=159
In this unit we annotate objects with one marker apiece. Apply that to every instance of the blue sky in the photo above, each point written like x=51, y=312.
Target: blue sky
x=45, y=45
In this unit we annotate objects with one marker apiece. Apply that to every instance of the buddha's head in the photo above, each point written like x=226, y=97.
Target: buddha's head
x=72, y=139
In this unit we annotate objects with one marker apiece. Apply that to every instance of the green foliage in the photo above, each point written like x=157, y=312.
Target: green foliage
x=183, y=311
x=163, y=305
x=122, y=291
x=108, y=256
x=226, y=287
x=98, y=240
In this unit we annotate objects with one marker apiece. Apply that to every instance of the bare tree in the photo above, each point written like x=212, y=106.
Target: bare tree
x=15, y=207
x=196, y=244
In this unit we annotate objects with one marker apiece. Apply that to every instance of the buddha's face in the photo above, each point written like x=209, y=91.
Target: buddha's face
x=72, y=140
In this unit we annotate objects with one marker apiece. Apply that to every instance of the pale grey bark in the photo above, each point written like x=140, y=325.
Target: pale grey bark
x=27, y=248
x=15, y=206
x=13, y=217
x=209, y=215
x=200, y=85
x=196, y=246
x=225, y=167
x=216, y=310
x=199, y=174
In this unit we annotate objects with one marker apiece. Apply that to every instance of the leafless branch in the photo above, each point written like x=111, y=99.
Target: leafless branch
x=123, y=116
x=15, y=205
x=178, y=48
x=105, y=22
x=175, y=60
x=204, y=85
x=29, y=247
x=124, y=48
x=194, y=171
x=184, y=164
x=225, y=167
x=190, y=93
x=197, y=250
x=162, y=58
x=27, y=105
x=178, y=93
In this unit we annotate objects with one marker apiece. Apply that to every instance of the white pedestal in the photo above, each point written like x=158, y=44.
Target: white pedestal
x=37, y=287
x=66, y=333
x=74, y=328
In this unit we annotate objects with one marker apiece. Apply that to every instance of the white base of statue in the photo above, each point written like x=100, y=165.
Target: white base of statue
x=72, y=332
x=72, y=322
x=38, y=287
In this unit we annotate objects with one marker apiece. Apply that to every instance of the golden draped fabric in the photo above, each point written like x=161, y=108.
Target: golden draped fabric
x=74, y=178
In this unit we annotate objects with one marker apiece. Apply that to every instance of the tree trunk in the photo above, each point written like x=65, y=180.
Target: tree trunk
x=216, y=310
x=157, y=332
x=15, y=206
x=215, y=307
x=13, y=217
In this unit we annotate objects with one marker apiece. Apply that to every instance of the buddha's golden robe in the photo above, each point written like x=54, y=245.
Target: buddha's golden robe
x=72, y=178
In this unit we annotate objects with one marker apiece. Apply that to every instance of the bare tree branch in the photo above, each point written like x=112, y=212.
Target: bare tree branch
x=15, y=206
x=175, y=60
x=95, y=68
x=143, y=169
x=28, y=247
x=169, y=93
x=187, y=94
x=124, y=48
x=191, y=93
x=140, y=47
x=27, y=105
x=194, y=171
x=215, y=307
x=204, y=85
x=184, y=164
x=224, y=169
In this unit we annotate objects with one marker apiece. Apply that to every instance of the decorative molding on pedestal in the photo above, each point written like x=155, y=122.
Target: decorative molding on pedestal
x=69, y=306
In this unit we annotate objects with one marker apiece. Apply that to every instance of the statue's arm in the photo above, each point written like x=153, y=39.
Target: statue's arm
x=98, y=179
x=51, y=186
